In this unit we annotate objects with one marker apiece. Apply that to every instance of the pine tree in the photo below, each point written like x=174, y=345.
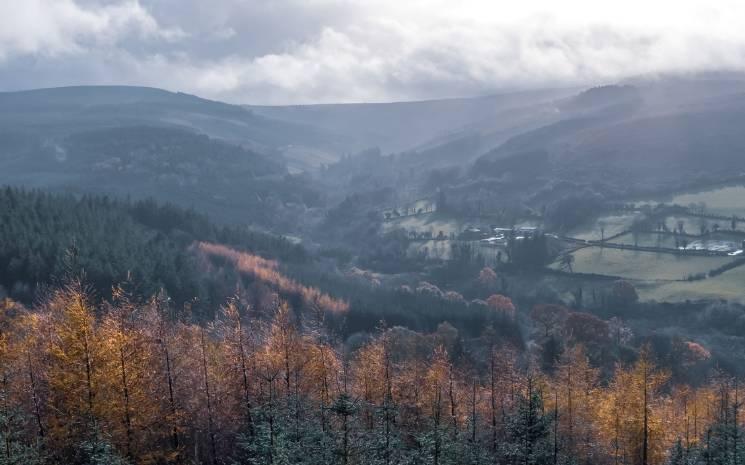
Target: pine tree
x=529, y=430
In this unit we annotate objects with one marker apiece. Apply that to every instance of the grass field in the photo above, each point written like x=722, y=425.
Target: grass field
x=692, y=224
x=647, y=240
x=722, y=201
x=729, y=285
x=641, y=265
x=614, y=224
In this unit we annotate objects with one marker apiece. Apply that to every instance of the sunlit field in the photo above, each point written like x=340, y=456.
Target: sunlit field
x=729, y=285
x=642, y=265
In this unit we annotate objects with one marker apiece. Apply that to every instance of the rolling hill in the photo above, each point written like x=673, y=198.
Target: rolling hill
x=644, y=135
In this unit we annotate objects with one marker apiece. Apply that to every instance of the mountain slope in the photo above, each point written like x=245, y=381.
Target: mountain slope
x=143, y=142
x=402, y=126
x=646, y=136
x=59, y=111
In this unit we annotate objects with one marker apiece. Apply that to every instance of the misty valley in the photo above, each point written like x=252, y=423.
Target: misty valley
x=547, y=276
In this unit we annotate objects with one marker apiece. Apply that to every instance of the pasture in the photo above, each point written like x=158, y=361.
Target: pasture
x=720, y=201
x=631, y=264
x=729, y=285
x=612, y=224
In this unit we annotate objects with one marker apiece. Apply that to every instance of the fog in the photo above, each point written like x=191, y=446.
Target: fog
x=321, y=51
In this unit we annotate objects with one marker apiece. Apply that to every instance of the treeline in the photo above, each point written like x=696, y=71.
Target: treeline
x=135, y=381
x=352, y=304
x=43, y=236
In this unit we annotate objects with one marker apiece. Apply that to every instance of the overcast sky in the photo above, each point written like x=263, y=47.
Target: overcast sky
x=309, y=51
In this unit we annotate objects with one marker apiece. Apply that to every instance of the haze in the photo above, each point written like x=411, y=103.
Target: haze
x=330, y=51
x=384, y=232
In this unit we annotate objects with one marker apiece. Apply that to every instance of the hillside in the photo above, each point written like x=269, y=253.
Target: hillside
x=44, y=237
x=404, y=126
x=50, y=113
x=645, y=136
x=142, y=142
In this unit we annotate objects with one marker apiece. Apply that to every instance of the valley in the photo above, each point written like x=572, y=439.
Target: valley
x=534, y=224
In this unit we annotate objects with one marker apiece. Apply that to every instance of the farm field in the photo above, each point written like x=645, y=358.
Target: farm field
x=641, y=265
x=721, y=201
x=729, y=285
x=693, y=225
x=720, y=241
x=646, y=240
x=614, y=224
x=724, y=201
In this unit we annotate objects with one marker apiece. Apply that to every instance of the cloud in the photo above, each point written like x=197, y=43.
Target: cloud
x=62, y=27
x=295, y=51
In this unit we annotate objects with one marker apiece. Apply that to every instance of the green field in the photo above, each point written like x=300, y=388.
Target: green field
x=642, y=265
x=721, y=201
x=729, y=285
x=647, y=240
x=613, y=224
x=692, y=224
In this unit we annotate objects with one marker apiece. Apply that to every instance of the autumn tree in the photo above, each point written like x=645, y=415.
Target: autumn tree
x=631, y=420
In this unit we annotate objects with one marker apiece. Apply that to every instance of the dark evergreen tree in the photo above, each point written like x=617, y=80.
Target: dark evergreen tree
x=529, y=431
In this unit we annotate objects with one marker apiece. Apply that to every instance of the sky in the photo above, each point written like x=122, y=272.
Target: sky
x=322, y=51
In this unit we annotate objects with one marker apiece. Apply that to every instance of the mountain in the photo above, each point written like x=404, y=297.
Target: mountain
x=142, y=142
x=645, y=134
x=45, y=236
x=56, y=112
x=405, y=126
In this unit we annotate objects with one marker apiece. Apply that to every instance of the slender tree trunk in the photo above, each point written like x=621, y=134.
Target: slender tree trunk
x=617, y=443
x=171, y=398
x=324, y=390
x=271, y=420
x=735, y=427
x=452, y=398
x=6, y=411
x=570, y=408
x=388, y=405
x=210, y=420
x=493, y=402
x=473, y=413
x=88, y=373
x=685, y=413
x=125, y=394
x=645, y=441
x=345, y=422
x=244, y=372
x=34, y=395
x=528, y=422
x=556, y=428
x=438, y=402
x=287, y=363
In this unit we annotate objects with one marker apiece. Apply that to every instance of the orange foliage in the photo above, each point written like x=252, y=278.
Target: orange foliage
x=268, y=272
x=501, y=304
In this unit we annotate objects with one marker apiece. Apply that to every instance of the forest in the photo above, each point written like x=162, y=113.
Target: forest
x=133, y=332
x=44, y=235
x=186, y=282
x=133, y=379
